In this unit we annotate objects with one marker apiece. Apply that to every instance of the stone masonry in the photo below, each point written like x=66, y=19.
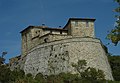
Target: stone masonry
x=52, y=50
x=56, y=57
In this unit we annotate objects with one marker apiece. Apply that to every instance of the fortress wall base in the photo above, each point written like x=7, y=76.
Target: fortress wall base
x=56, y=57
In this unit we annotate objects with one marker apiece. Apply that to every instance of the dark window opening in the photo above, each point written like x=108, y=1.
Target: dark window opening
x=55, y=61
x=60, y=32
x=46, y=40
x=50, y=31
x=37, y=69
x=76, y=23
x=50, y=54
x=63, y=59
x=87, y=24
x=55, y=56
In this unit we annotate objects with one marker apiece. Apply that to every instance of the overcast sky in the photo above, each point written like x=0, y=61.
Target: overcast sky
x=16, y=15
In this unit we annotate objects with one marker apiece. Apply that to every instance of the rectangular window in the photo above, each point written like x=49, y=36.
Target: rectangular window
x=60, y=32
x=87, y=24
x=76, y=23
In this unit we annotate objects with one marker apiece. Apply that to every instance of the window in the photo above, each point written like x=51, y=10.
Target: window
x=87, y=24
x=46, y=40
x=60, y=32
x=76, y=23
x=50, y=31
x=37, y=69
x=55, y=56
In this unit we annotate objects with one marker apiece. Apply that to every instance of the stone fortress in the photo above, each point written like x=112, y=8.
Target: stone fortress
x=53, y=50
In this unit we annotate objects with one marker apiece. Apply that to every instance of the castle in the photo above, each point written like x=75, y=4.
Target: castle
x=53, y=50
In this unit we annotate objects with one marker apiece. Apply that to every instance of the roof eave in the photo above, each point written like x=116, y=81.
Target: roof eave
x=71, y=19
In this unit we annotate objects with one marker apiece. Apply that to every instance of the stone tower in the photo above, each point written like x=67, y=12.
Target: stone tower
x=53, y=50
x=80, y=27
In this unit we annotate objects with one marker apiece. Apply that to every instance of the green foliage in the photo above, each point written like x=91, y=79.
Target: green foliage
x=54, y=79
x=68, y=77
x=4, y=74
x=80, y=66
x=2, y=60
x=89, y=73
x=40, y=78
x=114, y=35
x=115, y=65
x=92, y=74
x=117, y=1
x=29, y=75
x=118, y=8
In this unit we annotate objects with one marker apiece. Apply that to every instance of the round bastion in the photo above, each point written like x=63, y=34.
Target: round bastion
x=57, y=56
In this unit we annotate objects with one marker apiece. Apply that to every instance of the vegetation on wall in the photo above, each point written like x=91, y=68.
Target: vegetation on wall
x=89, y=75
x=115, y=66
x=85, y=75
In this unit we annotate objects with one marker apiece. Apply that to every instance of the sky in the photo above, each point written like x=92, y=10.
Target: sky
x=16, y=15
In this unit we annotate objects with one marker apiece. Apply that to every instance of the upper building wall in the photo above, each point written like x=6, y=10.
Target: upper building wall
x=80, y=27
x=32, y=35
x=76, y=27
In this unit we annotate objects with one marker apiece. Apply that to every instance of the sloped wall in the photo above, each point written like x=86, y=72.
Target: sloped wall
x=57, y=56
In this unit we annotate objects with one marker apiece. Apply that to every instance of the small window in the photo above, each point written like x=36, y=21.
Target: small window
x=50, y=54
x=76, y=23
x=46, y=40
x=51, y=31
x=37, y=69
x=60, y=32
x=87, y=24
x=55, y=56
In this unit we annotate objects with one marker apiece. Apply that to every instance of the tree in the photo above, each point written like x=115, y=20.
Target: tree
x=2, y=60
x=93, y=74
x=88, y=74
x=3, y=54
x=68, y=77
x=4, y=74
x=80, y=66
x=115, y=66
x=114, y=34
x=40, y=78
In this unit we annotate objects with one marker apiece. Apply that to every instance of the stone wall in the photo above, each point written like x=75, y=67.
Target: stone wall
x=82, y=28
x=57, y=56
x=26, y=42
x=34, y=36
x=48, y=38
x=76, y=28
